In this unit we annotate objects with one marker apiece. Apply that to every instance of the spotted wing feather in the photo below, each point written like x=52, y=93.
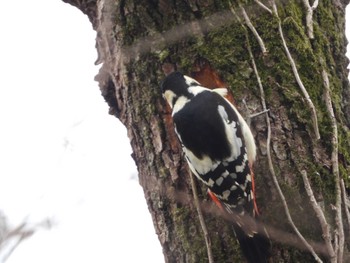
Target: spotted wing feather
x=211, y=133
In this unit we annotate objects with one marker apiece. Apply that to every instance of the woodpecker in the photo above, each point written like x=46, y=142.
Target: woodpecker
x=220, y=149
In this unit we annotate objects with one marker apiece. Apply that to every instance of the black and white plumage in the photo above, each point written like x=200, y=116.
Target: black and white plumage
x=216, y=140
x=218, y=145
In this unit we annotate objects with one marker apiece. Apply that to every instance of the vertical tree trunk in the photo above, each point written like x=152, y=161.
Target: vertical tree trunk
x=287, y=57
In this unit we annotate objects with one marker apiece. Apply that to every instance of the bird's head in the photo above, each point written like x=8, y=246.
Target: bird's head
x=176, y=85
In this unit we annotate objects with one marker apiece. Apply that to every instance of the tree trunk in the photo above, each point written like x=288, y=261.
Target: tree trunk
x=287, y=57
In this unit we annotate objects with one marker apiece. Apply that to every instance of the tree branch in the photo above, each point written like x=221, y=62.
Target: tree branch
x=283, y=199
x=345, y=200
x=335, y=169
x=296, y=75
x=201, y=218
x=321, y=218
x=309, y=13
x=252, y=28
x=271, y=168
x=263, y=6
x=13, y=238
x=274, y=234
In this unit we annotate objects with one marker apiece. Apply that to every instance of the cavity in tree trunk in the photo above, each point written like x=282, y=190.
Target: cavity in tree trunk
x=286, y=58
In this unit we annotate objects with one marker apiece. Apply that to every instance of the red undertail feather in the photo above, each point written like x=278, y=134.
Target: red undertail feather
x=256, y=209
x=215, y=199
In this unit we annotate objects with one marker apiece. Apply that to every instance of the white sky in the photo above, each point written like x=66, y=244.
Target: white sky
x=61, y=155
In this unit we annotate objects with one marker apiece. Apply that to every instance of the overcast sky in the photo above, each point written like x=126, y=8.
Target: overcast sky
x=62, y=156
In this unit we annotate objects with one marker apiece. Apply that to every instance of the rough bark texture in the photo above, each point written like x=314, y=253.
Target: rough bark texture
x=135, y=37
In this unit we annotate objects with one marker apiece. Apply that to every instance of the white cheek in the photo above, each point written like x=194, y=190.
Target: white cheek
x=180, y=103
x=169, y=97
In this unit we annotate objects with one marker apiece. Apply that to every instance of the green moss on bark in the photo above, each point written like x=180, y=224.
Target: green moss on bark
x=226, y=49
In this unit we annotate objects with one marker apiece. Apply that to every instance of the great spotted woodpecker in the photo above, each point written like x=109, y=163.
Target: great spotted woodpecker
x=220, y=149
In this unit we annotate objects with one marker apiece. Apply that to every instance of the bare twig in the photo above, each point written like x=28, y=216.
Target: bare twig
x=274, y=234
x=201, y=218
x=326, y=234
x=296, y=75
x=335, y=169
x=21, y=237
x=271, y=168
x=252, y=28
x=263, y=6
x=283, y=199
x=13, y=238
x=157, y=41
x=309, y=13
x=345, y=200
x=253, y=115
x=336, y=244
x=315, y=4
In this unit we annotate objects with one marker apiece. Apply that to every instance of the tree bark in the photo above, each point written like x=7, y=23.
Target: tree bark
x=287, y=57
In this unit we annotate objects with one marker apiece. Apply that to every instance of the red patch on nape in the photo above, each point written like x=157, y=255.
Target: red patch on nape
x=207, y=76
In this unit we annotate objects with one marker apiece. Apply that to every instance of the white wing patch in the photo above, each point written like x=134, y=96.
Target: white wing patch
x=201, y=166
x=223, y=113
x=221, y=91
x=248, y=138
x=231, y=133
x=195, y=90
x=179, y=104
x=240, y=168
x=198, y=89
x=190, y=81
x=219, y=180
x=226, y=194
x=247, y=135
x=210, y=183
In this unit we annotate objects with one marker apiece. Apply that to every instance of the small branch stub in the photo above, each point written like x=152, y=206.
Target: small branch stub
x=263, y=6
x=309, y=14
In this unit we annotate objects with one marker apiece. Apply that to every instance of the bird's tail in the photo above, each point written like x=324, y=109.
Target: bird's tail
x=255, y=247
x=254, y=240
